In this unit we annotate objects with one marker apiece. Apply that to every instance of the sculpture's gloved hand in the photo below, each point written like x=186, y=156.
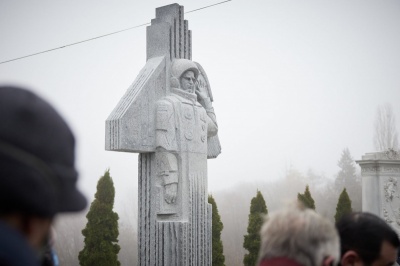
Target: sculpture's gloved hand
x=170, y=192
x=201, y=91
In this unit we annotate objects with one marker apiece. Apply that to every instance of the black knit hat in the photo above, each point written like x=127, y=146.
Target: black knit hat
x=37, y=172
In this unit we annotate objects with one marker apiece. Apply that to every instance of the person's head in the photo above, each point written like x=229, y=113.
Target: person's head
x=366, y=239
x=187, y=81
x=37, y=171
x=301, y=235
x=185, y=73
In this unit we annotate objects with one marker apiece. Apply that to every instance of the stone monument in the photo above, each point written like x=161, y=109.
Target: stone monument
x=380, y=173
x=167, y=117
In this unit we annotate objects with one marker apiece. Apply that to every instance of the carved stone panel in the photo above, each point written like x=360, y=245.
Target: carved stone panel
x=130, y=127
x=391, y=200
x=383, y=169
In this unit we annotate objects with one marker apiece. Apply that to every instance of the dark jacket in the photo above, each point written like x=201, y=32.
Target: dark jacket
x=15, y=249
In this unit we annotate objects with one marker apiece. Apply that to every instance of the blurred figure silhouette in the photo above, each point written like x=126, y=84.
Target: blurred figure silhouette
x=37, y=175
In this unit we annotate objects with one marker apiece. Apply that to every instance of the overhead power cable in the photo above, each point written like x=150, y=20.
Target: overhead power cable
x=207, y=6
x=101, y=36
x=75, y=43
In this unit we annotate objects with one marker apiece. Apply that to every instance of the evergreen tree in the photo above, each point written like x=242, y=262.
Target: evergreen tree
x=252, y=240
x=348, y=179
x=218, y=258
x=101, y=231
x=347, y=171
x=306, y=199
x=343, y=206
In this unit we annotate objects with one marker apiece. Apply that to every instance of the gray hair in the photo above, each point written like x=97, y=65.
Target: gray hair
x=299, y=234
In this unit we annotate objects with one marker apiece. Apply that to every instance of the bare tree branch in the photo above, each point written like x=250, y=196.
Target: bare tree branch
x=386, y=136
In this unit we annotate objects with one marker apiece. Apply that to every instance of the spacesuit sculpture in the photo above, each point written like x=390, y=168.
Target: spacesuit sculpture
x=184, y=120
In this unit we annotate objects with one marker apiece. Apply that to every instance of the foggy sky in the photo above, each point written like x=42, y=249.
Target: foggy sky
x=294, y=82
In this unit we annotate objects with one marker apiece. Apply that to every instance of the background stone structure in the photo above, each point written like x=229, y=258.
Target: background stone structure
x=381, y=185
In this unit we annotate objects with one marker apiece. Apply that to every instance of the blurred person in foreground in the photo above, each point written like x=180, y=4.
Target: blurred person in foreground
x=367, y=239
x=296, y=236
x=37, y=175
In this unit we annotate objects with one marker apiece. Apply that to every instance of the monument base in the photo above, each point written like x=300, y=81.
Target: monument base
x=162, y=238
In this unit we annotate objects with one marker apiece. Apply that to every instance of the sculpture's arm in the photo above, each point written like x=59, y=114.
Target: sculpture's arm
x=205, y=101
x=167, y=164
x=211, y=119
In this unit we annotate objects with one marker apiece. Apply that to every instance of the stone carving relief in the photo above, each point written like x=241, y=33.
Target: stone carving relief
x=380, y=169
x=390, y=188
x=392, y=154
x=391, y=205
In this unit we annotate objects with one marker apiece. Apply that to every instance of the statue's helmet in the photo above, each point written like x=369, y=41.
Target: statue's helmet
x=180, y=66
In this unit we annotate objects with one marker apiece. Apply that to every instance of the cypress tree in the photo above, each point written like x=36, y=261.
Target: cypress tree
x=343, y=206
x=101, y=231
x=218, y=258
x=306, y=199
x=252, y=240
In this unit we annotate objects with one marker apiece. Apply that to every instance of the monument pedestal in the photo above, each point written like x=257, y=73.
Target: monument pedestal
x=380, y=173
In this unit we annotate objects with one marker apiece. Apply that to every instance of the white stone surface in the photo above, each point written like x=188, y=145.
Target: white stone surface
x=166, y=115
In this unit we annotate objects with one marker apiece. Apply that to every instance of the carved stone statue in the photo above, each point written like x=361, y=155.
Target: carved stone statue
x=185, y=119
x=167, y=116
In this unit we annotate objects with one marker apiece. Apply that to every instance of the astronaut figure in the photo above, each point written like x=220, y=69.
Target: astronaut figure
x=185, y=120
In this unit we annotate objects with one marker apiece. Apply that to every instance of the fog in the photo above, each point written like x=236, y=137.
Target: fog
x=294, y=83
x=234, y=207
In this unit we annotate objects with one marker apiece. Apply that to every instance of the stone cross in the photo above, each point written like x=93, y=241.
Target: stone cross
x=167, y=117
x=380, y=173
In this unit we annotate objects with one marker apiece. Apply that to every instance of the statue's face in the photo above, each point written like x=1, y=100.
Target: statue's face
x=188, y=81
